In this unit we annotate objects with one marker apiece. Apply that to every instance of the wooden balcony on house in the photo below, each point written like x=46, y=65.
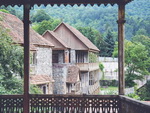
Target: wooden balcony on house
x=93, y=66
x=73, y=104
x=88, y=66
x=93, y=88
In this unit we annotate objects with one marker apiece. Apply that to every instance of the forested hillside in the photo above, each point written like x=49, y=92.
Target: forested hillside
x=102, y=18
x=98, y=23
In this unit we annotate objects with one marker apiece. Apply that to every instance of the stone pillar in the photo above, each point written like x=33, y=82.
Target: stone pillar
x=61, y=57
x=44, y=61
x=72, y=56
x=88, y=59
x=66, y=55
x=121, y=21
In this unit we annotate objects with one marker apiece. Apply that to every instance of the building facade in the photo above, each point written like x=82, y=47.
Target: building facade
x=61, y=62
x=74, y=58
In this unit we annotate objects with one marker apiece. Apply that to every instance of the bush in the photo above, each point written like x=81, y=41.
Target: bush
x=109, y=83
x=134, y=96
x=144, y=92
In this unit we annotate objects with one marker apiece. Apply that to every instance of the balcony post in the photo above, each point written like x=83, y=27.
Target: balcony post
x=26, y=58
x=121, y=21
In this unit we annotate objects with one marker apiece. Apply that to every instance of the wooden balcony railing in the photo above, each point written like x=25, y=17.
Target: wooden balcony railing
x=11, y=103
x=94, y=87
x=88, y=66
x=73, y=104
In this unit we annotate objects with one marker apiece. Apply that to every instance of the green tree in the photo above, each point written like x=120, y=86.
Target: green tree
x=90, y=33
x=109, y=44
x=40, y=16
x=11, y=56
x=142, y=32
x=94, y=36
x=136, y=62
x=46, y=25
x=144, y=92
x=11, y=66
x=145, y=40
x=4, y=10
x=101, y=67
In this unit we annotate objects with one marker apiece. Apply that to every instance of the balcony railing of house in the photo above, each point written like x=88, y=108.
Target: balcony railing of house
x=73, y=104
x=88, y=66
x=94, y=87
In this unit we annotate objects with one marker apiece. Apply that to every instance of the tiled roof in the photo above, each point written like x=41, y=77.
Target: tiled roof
x=80, y=36
x=40, y=79
x=73, y=74
x=57, y=38
x=15, y=30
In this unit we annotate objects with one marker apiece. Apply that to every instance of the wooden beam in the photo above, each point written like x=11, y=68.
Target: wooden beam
x=121, y=21
x=59, y=2
x=26, y=58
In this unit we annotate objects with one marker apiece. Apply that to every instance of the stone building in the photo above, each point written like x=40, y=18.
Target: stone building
x=74, y=68
x=40, y=50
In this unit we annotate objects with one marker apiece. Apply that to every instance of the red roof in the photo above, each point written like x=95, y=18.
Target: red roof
x=73, y=74
x=40, y=79
x=15, y=30
x=57, y=38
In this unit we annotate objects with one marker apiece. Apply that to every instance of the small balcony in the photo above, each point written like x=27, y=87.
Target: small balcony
x=73, y=104
x=93, y=88
x=88, y=66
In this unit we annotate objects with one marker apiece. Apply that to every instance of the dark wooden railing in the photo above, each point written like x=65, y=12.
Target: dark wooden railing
x=73, y=104
x=11, y=103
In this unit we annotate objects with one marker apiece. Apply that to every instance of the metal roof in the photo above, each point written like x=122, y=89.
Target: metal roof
x=60, y=2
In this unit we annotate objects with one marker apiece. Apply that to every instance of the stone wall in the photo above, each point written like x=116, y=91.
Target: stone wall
x=44, y=61
x=110, y=67
x=59, y=75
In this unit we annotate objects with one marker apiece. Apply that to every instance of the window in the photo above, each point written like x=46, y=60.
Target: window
x=91, y=79
x=44, y=89
x=33, y=58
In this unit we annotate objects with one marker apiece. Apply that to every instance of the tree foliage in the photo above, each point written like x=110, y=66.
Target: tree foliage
x=144, y=92
x=137, y=62
x=109, y=44
x=11, y=56
x=40, y=16
x=11, y=66
x=90, y=33
x=46, y=25
x=145, y=40
x=4, y=10
x=94, y=36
